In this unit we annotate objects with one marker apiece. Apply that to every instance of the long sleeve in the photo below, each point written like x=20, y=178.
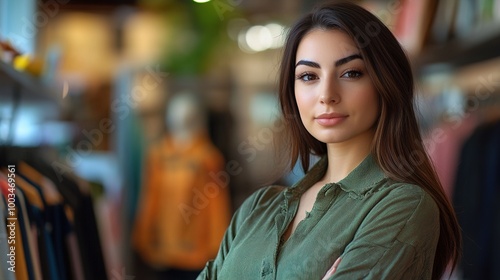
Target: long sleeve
x=213, y=267
x=380, y=228
x=391, y=243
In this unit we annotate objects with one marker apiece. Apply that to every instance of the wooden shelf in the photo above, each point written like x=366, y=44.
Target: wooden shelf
x=15, y=82
x=479, y=46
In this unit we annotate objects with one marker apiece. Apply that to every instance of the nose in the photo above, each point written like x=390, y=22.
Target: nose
x=329, y=93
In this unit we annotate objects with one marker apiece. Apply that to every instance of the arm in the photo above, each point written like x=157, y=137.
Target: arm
x=213, y=267
x=332, y=269
x=397, y=239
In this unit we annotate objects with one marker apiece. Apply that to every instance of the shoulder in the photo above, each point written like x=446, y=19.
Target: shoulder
x=415, y=206
x=210, y=150
x=210, y=155
x=413, y=194
x=390, y=192
x=399, y=211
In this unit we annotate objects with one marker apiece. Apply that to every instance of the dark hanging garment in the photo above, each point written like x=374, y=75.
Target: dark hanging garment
x=25, y=231
x=85, y=224
x=491, y=226
x=476, y=196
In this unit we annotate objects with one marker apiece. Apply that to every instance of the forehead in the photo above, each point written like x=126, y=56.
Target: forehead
x=331, y=42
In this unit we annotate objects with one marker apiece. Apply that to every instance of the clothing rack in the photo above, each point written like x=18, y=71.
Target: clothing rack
x=56, y=234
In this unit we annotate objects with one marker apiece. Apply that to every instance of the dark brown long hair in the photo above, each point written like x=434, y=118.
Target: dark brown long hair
x=397, y=146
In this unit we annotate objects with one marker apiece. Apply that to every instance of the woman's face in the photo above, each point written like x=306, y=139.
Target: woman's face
x=335, y=95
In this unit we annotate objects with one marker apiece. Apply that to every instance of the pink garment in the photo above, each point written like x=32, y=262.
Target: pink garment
x=444, y=143
x=74, y=256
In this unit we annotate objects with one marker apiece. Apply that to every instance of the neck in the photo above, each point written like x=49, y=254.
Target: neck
x=343, y=157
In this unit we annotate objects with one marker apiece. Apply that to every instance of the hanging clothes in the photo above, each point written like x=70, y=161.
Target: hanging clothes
x=56, y=230
x=476, y=196
x=79, y=199
x=443, y=143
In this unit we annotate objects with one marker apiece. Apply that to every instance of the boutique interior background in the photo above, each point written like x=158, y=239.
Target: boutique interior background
x=84, y=85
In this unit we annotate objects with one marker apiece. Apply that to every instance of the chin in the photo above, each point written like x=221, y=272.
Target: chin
x=331, y=139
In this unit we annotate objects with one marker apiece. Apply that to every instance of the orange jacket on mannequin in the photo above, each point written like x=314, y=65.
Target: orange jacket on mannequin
x=184, y=207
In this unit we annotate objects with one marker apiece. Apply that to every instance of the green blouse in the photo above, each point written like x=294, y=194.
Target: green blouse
x=380, y=228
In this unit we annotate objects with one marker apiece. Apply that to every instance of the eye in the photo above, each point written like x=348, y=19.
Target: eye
x=352, y=74
x=306, y=77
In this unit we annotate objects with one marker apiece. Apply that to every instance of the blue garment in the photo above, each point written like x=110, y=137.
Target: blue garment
x=45, y=227
x=490, y=215
x=477, y=191
x=45, y=246
x=60, y=230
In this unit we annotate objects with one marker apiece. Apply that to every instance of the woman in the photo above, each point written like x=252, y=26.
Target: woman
x=372, y=207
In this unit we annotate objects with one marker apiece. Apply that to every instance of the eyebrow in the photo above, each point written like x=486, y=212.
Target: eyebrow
x=338, y=63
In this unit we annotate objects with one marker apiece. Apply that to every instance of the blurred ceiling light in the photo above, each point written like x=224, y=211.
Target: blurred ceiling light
x=277, y=33
x=242, y=42
x=259, y=38
x=201, y=1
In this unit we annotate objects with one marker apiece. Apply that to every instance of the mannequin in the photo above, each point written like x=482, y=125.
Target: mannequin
x=185, y=119
x=181, y=220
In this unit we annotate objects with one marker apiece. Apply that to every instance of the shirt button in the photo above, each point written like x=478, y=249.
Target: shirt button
x=266, y=269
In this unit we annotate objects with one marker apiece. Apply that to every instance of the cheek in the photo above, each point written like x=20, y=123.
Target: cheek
x=370, y=105
x=304, y=101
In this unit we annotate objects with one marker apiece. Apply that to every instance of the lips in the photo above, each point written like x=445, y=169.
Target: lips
x=330, y=119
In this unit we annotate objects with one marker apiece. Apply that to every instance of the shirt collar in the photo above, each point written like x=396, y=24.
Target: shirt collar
x=359, y=181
